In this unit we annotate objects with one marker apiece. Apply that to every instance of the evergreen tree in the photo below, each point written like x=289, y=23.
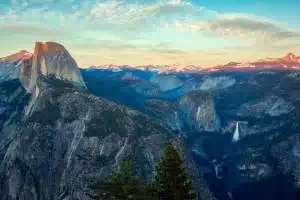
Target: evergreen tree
x=171, y=182
x=121, y=185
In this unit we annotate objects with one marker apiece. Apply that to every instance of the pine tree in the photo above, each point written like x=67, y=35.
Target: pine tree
x=121, y=185
x=171, y=182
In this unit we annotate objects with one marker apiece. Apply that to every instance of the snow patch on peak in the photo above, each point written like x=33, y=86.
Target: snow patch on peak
x=153, y=68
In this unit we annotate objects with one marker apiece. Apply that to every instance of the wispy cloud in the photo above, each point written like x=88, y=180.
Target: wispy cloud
x=121, y=12
x=123, y=17
x=141, y=31
x=26, y=29
x=247, y=27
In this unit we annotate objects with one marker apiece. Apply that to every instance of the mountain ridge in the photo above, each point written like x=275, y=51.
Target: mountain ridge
x=289, y=61
x=20, y=55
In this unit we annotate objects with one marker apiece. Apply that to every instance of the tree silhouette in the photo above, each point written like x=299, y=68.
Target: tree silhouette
x=171, y=182
x=121, y=185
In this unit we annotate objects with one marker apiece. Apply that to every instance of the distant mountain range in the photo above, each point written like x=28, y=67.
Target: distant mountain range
x=154, y=68
x=289, y=61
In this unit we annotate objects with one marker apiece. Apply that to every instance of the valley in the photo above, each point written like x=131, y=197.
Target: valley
x=232, y=119
x=237, y=130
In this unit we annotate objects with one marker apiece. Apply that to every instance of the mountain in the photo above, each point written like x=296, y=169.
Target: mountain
x=51, y=59
x=21, y=55
x=10, y=65
x=289, y=61
x=241, y=125
x=154, y=68
x=61, y=126
x=178, y=68
x=56, y=137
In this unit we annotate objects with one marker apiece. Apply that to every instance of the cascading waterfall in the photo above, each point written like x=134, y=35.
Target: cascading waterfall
x=236, y=135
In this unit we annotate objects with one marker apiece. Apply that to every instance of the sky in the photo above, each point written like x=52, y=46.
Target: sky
x=159, y=32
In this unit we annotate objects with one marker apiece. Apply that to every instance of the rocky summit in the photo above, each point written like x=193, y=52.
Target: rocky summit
x=56, y=136
x=50, y=59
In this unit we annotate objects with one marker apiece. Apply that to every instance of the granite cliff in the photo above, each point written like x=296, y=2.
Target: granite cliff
x=55, y=136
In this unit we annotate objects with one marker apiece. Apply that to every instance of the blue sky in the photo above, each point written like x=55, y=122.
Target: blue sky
x=136, y=32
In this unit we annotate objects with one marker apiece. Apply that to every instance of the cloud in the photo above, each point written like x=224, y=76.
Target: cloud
x=26, y=3
x=120, y=12
x=183, y=16
x=246, y=27
x=127, y=19
x=166, y=30
x=18, y=30
x=119, y=46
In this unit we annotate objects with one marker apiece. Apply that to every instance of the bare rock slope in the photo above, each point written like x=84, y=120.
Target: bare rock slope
x=70, y=136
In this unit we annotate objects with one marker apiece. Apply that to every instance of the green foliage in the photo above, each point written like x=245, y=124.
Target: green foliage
x=171, y=182
x=121, y=185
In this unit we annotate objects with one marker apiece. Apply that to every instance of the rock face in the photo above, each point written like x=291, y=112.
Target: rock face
x=50, y=59
x=193, y=111
x=199, y=111
x=11, y=65
x=70, y=136
x=288, y=154
x=271, y=105
x=215, y=83
x=166, y=82
x=166, y=112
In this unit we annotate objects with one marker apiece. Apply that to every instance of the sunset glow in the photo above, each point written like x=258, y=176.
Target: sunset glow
x=190, y=32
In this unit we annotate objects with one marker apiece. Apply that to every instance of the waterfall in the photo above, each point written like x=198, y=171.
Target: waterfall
x=217, y=170
x=236, y=135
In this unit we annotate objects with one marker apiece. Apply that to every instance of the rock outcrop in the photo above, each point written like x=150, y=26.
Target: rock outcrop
x=166, y=82
x=50, y=59
x=198, y=110
x=194, y=111
x=273, y=106
x=216, y=83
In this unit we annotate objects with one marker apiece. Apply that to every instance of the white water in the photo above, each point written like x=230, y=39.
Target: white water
x=236, y=135
x=216, y=167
